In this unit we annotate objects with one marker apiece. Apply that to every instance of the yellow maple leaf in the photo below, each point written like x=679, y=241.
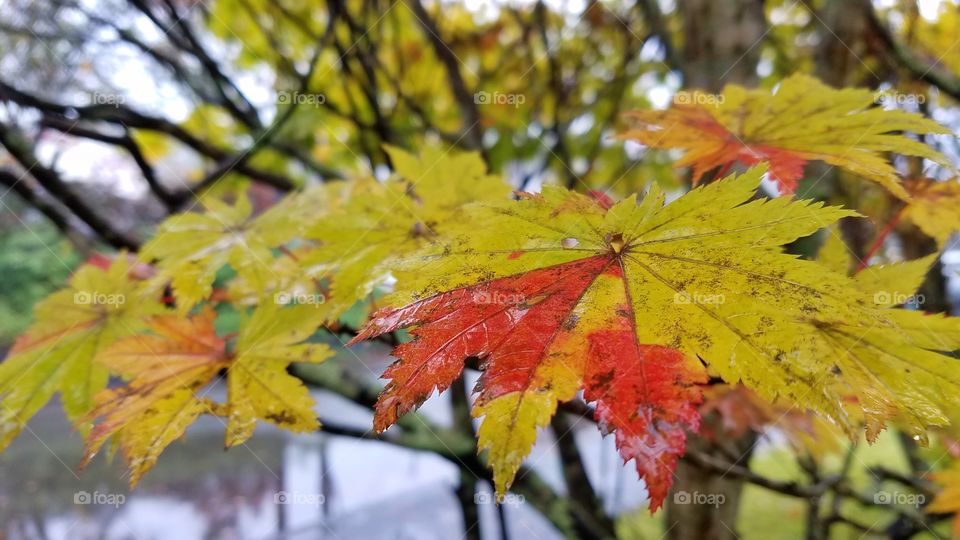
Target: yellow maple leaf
x=56, y=352
x=886, y=285
x=288, y=279
x=834, y=253
x=166, y=369
x=169, y=369
x=802, y=120
x=258, y=383
x=397, y=217
x=934, y=207
x=190, y=248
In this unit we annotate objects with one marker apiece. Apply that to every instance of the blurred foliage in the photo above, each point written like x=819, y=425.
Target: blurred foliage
x=33, y=262
x=765, y=515
x=547, y=101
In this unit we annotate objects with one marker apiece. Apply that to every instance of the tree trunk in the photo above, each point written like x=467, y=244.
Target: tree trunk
x=704, y=505
x=839, y=62
x=841, y=53
x=722, y=44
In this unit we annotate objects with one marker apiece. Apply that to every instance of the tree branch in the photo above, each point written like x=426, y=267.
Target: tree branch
x=657, y=27
x=595, y=522
x=467, y=490
x=231, y=98
x=128, y=118
x=124, y=141
x=947, y=82
x=18, y=147
x=52, y=212
x=471, y=115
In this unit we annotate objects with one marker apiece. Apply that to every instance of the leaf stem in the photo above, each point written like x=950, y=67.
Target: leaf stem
x=881, y=237
x=286, y=251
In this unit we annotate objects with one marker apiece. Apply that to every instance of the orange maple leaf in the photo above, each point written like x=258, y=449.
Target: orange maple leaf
x=802, y=120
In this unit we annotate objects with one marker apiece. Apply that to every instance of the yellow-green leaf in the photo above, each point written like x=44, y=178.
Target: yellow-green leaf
x=935, y=208
x=56, y=354
x=802, y=120
x=259, y=386
x=190, y=248
x=388, y=220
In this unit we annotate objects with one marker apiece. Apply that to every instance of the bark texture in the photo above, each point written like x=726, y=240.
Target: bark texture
x=722, y=44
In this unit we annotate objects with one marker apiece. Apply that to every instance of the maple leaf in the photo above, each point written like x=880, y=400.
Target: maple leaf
x=395, y=218
x=895, y=283
x=948, y=500
x=544, y=335
x=575, y=293
x=834, y=253
x=168, y=370
x=802, y=120
x=56, y=352
x=740, y=409
x=885, y=285
x=888, y=285
x=933, y=207
x=258, y=385
x=190, y=248
x=289, y=281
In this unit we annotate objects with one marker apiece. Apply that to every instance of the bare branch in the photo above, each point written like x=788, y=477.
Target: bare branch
x=471, y=115
x=947, y=82
x=19, y=148
x=32, y=197
x=128, y=118
x=124, y=141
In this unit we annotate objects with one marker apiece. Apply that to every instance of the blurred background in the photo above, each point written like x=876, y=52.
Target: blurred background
x=117, y=113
